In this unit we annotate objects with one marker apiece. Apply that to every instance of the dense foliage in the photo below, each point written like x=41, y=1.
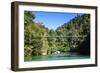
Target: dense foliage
x=73, y=36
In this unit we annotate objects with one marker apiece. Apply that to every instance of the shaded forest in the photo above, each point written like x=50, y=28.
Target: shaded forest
x=73, y=36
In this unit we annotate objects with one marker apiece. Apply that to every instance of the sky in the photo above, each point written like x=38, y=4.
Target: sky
x=52, y=20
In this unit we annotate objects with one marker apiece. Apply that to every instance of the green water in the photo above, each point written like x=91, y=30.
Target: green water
x=55, y=57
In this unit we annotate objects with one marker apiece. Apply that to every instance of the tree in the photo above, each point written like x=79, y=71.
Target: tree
x=76, y=31
x=28, y=18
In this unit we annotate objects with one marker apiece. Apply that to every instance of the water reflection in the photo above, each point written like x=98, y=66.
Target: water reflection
x=68, y=56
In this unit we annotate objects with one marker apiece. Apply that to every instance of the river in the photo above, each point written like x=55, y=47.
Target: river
x=55, y=57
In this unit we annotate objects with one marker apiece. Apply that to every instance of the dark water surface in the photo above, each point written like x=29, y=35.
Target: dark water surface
x=55, y=57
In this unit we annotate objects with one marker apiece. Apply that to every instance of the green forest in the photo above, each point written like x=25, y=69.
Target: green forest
x=72, y=36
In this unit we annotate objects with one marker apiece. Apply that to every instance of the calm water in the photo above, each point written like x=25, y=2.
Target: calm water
x=56, y=57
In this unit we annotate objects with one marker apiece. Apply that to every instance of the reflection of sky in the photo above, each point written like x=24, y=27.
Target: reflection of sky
x=52, y=20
